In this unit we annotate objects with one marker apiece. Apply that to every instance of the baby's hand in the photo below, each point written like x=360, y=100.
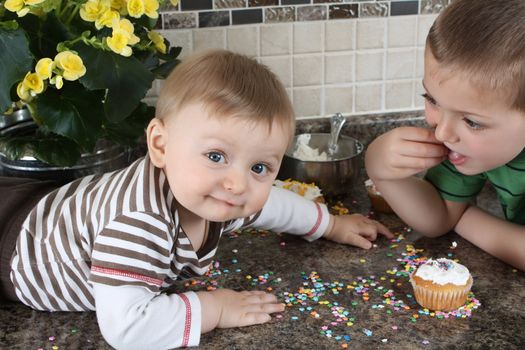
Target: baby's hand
x=403, y=152
x=226, y=308
x=356, y=230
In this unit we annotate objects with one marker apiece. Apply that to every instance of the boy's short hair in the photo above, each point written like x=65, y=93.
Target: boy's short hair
x=228, y=84
x=485, y=39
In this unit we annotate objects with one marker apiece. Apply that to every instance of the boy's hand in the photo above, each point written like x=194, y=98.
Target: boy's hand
x=403, y=152
x=226, y=308
x=356, y=230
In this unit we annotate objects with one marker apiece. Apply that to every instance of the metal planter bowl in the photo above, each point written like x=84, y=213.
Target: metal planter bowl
x=106, y=157
x=334, y=177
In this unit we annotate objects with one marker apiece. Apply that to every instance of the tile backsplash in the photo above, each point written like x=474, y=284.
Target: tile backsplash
x=355, y=57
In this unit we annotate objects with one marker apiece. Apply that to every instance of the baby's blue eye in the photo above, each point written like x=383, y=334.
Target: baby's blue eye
x=215, y=157
x=259, y=168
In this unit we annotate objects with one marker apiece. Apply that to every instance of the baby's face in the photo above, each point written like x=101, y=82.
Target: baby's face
x=481, y=131
x=222, y=168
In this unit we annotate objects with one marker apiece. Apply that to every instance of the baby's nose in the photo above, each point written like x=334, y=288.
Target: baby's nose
x=235, y=182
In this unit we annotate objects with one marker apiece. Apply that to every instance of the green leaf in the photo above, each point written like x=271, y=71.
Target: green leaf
x=50, y=148
x=162, y=71
x=126, y=79
x=72, y=112
x=132, y=128
x=15, y=61
x=57, y=151
x=44, y=34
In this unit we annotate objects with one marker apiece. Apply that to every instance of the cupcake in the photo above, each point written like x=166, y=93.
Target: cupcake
x=441, y=284
x=376, y=199
x=309, y=191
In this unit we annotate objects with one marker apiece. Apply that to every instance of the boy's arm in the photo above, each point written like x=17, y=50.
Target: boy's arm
x=393, y=159
x=496, y=236
x=420, y=206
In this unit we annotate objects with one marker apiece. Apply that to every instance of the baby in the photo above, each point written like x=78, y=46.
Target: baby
x=114, y=243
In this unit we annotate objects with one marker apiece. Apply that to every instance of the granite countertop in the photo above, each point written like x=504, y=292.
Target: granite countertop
x=339, y=275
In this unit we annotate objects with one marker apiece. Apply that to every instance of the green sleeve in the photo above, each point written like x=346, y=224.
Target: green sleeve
x=452, y=185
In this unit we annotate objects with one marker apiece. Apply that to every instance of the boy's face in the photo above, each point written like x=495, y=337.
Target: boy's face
x=221, y=168
x=480, y=129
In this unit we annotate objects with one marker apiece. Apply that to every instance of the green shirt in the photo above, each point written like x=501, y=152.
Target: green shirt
x=508, y=181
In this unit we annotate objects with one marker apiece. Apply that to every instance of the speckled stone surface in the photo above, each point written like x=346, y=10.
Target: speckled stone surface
x=497, y=324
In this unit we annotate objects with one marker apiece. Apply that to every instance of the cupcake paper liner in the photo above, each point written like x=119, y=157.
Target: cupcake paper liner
x=442, y=298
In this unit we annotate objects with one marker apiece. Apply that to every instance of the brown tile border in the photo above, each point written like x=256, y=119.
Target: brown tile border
x=209, y=13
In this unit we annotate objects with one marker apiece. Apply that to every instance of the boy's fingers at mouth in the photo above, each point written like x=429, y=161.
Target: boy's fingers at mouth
x=424, y=150
x=420, y=135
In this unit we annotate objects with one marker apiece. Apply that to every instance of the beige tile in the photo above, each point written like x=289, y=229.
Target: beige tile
x=204, y=39
x=307, y=70
x=340, y=35
x=307, y=102
x=400, y=63
x=339, y=99
x=244, y=40
x=368, y=97
x=276, y=39
x=371, y=33
x=369, y=66
x=401, y=31
x=339, y=68
x=308, y=37
x=281, y=66
x=424, y=22
x=420, y=62
x=419, y=101
x=398, y=95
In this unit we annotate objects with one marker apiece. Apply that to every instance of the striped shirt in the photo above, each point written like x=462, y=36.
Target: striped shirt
x=508, y=180
x=122, y=229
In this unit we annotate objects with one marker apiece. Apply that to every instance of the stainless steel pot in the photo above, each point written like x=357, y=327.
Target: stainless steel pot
x=334, y=177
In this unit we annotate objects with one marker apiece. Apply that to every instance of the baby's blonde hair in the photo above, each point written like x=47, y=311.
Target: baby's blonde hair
x=486, y=40
x=227, y=84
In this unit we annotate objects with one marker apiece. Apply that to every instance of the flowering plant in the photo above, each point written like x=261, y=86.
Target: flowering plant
x=82, y=68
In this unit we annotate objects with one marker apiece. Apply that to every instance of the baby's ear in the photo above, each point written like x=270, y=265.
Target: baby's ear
x=156, y=134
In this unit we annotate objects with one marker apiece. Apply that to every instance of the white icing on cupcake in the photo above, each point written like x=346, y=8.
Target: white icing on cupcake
x=443, y=271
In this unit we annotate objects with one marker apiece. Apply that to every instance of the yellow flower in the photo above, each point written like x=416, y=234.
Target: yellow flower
x=17, y=6
x=150, y=8
x=127, y=27
x=120, y=5
x=174, y=2
x=71, y=64
x=158, y=40
x=14, y=5
x=136, y=8
x=118, y=43
x=33, y=2
x=93, y=9
x=106, y=19
x=32, y=84
x=44, y=68
x=22, y=92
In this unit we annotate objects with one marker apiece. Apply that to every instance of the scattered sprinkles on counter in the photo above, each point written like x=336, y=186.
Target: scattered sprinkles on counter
x=315, y=298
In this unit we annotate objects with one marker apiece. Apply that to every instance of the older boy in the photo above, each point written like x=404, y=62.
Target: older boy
x=475, y=102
